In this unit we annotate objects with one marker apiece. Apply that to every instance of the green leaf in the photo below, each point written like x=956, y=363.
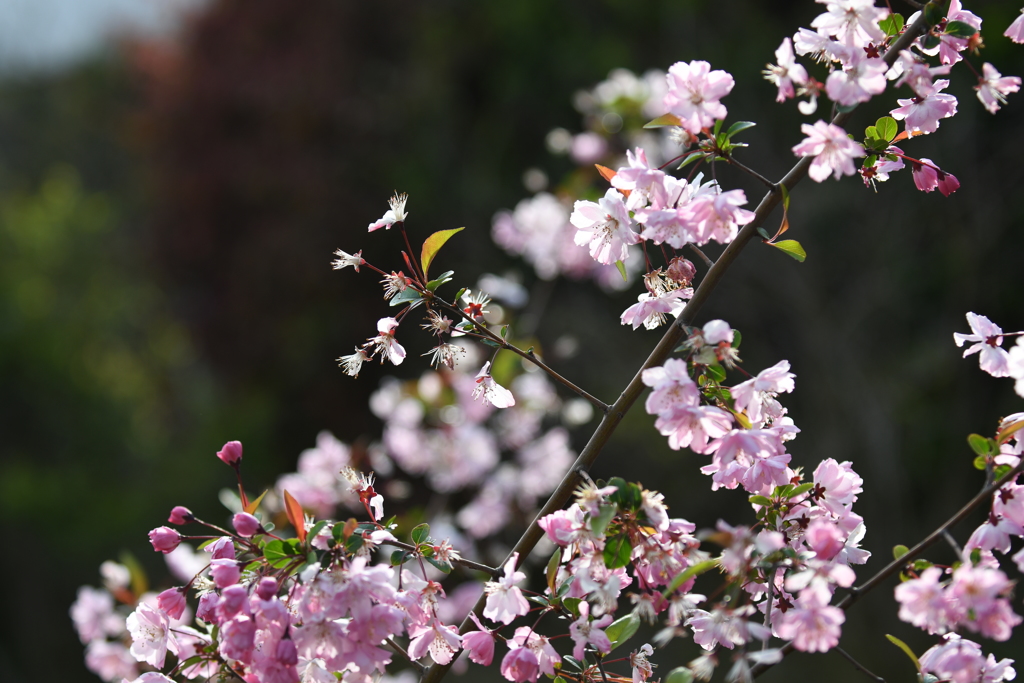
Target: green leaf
x=622, y=270
x=870, y=160
x=689, y=573
x=680, y=674
x=664, y=120
x=622, y=629
x=552, y=570
x=960, y=29
x=617, y=550
x=420, y=533
x=887, y=128
x=871, y=132
x=801, y=489
x=406, y=296
x=279, y=553
x=690, y=158
x=903, y=646
x=892, y=24
x=317, y=528
x=981, y=462
x=760, y=500
x=921, y=565
x=718, y=127
x=980, y=445
x=716, y=372
x=763, y=233
x=432, y=245
x=791, y=248
x=354, y=543
x=443, y=566
x=399, y=557
x=599, y=524
x=444, y=277
x=628, y=496
x=737, y=127
x=574, y=664
x=899, y=551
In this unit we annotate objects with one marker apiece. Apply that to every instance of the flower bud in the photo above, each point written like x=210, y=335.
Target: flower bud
x=246, y=525
x=172, y=601
x=180, y=515
x=207, y=607
x=164, y=539
x=233, y=600
x=286, y=653
x=266, y=589
x=221, y=549
x=231, y=453
x=225, y=572
x=681, y=270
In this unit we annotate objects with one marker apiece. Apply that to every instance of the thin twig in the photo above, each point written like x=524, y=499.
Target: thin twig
x=398, y=648
x=858, y=665
x=708, y=262
x=952, y=542
x=468, y=564
x=751, y=172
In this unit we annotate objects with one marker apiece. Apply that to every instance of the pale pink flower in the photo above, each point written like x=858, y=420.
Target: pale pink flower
x=836, y=486
x=605, y=227
x=719, y=215
x=172, y=602
x=490, y=391
x=717, y=332
x=650, y=309
x=586, y=632
x=748, y=395
x=719, y=627
x=811, y=624
x=852, y=22
x=505, y=601
x=993, y=87
x=546, y=655
x=441, y=641
x=520, y=664
x=832, y=150
x=94, y=616
x=386, y=343
x=923, y=113
x=352, y=364
x=396, y=214
x=988, y=339
x=112, y=661
x=923, y=602
x=949, y=46
x=151, y=635
x=644, y=184
x=1015, y=31
x=787, y=73
x=694, y=92
x=246, y=525
x=692, y=426
x=862, y=78
x=824, y=538
x=479, y=644
x=961, y=661
x=672, y=386
x=928, y=176
x=753, y=458
x=642, y=667
x=917, y=75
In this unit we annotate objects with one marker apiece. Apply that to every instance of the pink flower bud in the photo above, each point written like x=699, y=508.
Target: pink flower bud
x=246, y=525
x=207, y=608
x=266, y=588
x=681, y=270
x=172, y=601
x=231, y=453
x=286, y=653
x=164, y=539
x=180, y=515
x=224, y=572
x=221, y=549
x=480, y=646
x=233, y=600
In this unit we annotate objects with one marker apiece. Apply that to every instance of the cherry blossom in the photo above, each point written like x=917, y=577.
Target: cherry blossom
x=1015, y=31
x=993, y=87
x=787, y=73
x=923, y=113
x=694, y=92
x=928, y=176
x=811, y=624
x=861, y=79
x=490, y=391
x=650, y=310
x=605, y=227
x=505, y=601
x=832, y=150
x=151, y=635
x=385, y=342
x=988, y=339
x=852, y=22
x=396, y=214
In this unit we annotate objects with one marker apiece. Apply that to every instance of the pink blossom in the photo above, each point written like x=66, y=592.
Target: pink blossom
x=94, y=616
x=180, y=515
x=605, y=227
x=224, y=572
x=694, y=92
x=692, y=426
x=520, y=664
x=441, y=641
x=642, y=667
x=151, y=635
x=928, y=176
x=490, y=391
x=505, y=601
x=164, y=539
x=717, y=332
x=112, y=661
x=861, y=79
x=923, y=113
x=811, y=624
x=396, y=214
x=650, y=309
x=231, y=453
x=960, y=660
x=1015, y=31
x=832, y=150
x=585, y=632
x=172, y=601
x=748, y=395
x=993, y=87
x=221, y=549
x=237, y=636
x=719, y=627
x=719, y=215
x=836, y=486
x=672, y=387
x=824, y=538
x=153, y=677
x=923, y=602
x=563, y=526
x=988, y=339
x=754, y=458
x=546, y=655
x=788, y=72
x=385, y=341
x=852, y=22
x=644, y=184
x=917, y=75
x=246, y=525
x=479, y=644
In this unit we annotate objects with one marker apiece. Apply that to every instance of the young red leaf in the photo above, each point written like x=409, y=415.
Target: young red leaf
x=295, y=515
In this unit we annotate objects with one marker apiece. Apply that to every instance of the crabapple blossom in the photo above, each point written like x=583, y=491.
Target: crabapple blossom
x=787, y=73
x=441, y=641
x=180, y=515
x=852, y=22
x=694, y=91
x=650, y=309
x=642, y=667
x=345, y=260
x=94, y=616
x=505, y=601
x=151, y=635
x=585, y=631
x=520, y=664
x=246, y=525
x=993, y=87
x=988, y=339
x=396, y=214
x=748, y=395
x=922, y=114
x=490, y=391
x=1015, y=31
x=832, y=150
x=172, y=601
x=862, y=78
x=353, y=363
x=164, y=539
x=927, y=177
x=960, y=660
x=811, y=623
x=479, y=644
x=385, y=342
x=605, y=227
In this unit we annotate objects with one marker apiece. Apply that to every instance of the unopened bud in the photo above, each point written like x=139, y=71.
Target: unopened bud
x=231, y=453
x=681, y=270
x=180, y=515
x=164, y=539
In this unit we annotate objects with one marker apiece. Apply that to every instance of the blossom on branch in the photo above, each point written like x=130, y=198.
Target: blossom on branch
x=694, y=91
x=396, y=214
x=832, y=150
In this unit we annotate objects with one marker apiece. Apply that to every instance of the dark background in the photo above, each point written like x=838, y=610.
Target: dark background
x=168, y=213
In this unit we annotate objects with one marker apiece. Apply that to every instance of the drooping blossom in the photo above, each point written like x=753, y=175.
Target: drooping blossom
x=832, y=150
x=787, y=73
x=993, y=87
x=694, y=91
x=650, y=310
x=520, y=664
x=441, y=641
x=928, y=176
x=605, y=226
x=479, y=644
x=490, y=391
x=749, y=395
x=231, y=453
x=164, y=539
x=505, y=601
x=811, y=624
x=639, y=660
x=585, y=631
x=396, y=214
x=960, y=660
x=345, y=260
x=1015, y=31
x=987, y=338
x=950, y=46
x=385, y=341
